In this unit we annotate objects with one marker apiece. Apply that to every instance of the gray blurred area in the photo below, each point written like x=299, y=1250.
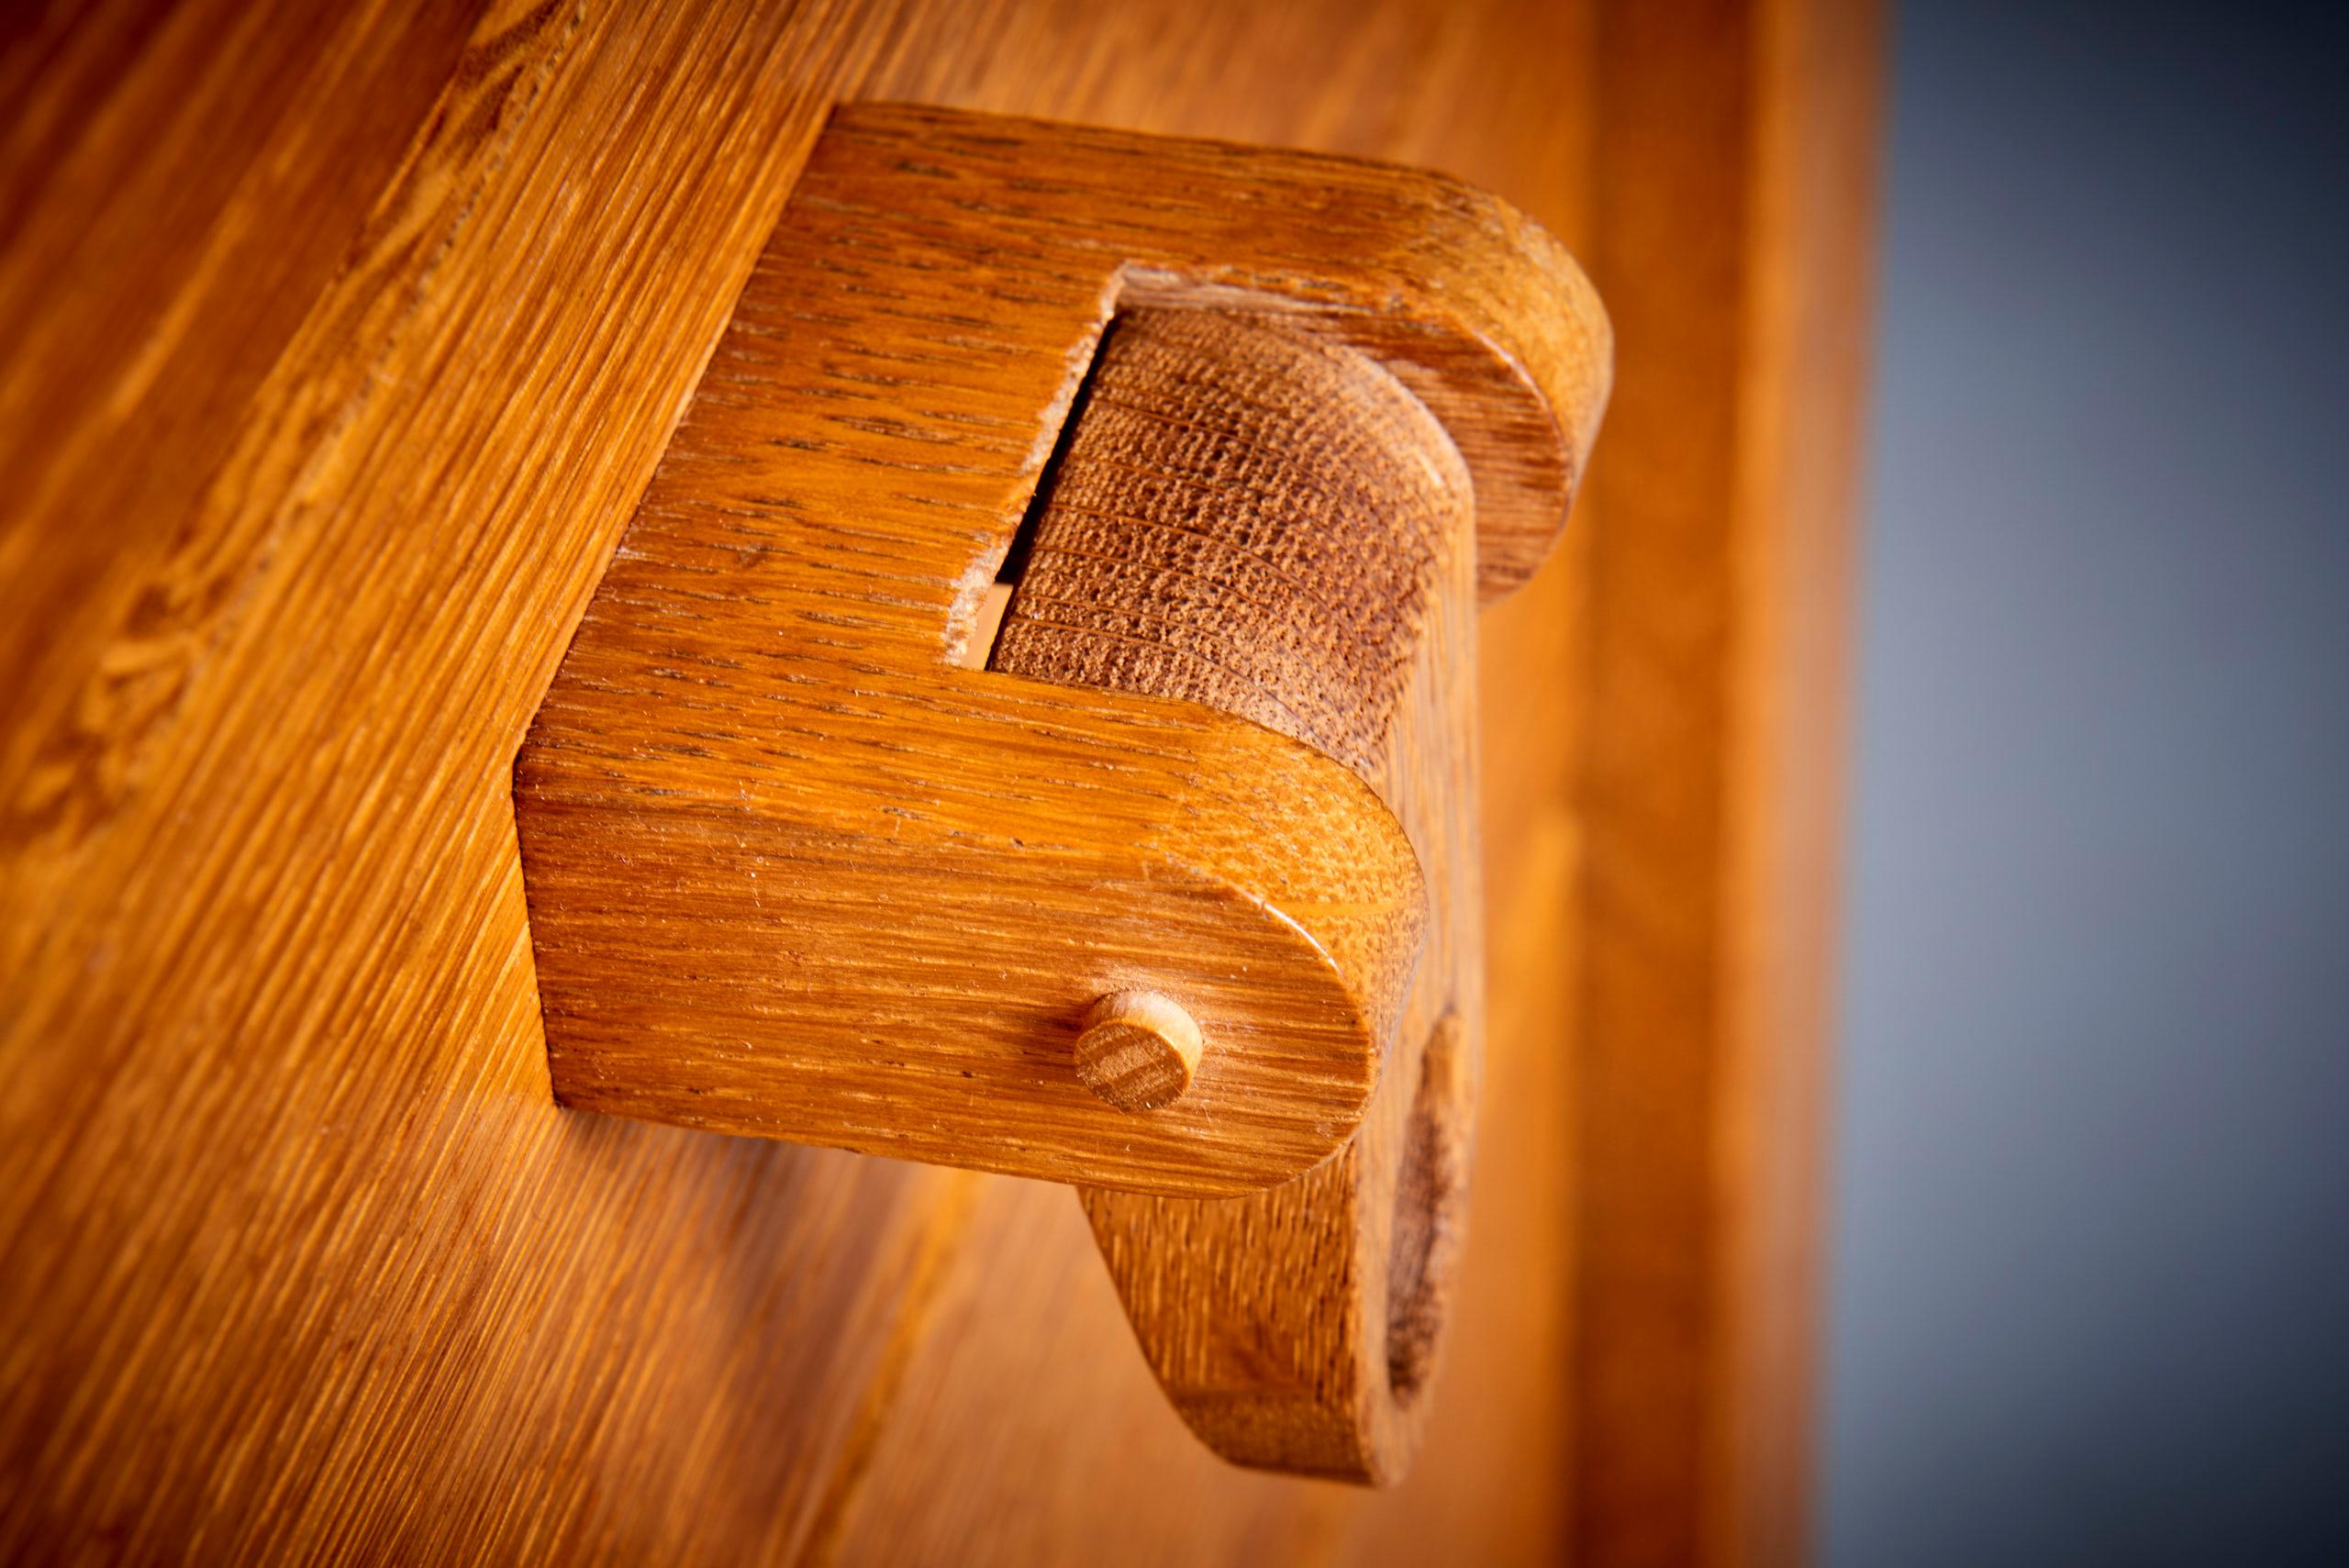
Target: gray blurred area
x=2089, y=1299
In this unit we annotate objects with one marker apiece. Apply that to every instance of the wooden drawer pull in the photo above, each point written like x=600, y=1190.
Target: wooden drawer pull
x=1174, y=895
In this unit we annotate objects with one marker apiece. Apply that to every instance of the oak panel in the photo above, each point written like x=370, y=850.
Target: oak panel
x=299, y=1251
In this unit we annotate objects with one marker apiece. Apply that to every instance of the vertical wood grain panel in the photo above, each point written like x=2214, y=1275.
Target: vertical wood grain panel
x=311, y=1255
x=177, y=187
x=1802, y=397
x=1732, y=233
x=1675, y=105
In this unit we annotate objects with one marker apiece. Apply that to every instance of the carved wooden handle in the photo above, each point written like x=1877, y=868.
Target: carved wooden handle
x=1250, y=517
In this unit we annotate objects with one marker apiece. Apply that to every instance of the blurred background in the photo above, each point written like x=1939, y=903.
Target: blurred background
x=2090, y=1277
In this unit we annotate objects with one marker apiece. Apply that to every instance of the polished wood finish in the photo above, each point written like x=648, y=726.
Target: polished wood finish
x=794, y=871
x=300, y=1253
x=362, y=334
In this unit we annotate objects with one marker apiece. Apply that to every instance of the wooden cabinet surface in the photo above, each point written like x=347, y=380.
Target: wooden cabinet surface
x=341, y=342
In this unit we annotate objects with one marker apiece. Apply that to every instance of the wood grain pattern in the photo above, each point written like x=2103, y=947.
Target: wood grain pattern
x=1137, y=1049
x=1250, y=518
x=297, y=1260
x=796, y=872
x=292, y=107
x=377, y=1297
x=1717, y=620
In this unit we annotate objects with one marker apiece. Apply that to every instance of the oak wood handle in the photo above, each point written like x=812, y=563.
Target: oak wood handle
x=1248, y=516
x=1176, y=901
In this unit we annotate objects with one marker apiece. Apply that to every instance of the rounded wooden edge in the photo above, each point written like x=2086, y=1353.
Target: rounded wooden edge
x=1353, y=1393
x=1344, y=935
x=1522, y=382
